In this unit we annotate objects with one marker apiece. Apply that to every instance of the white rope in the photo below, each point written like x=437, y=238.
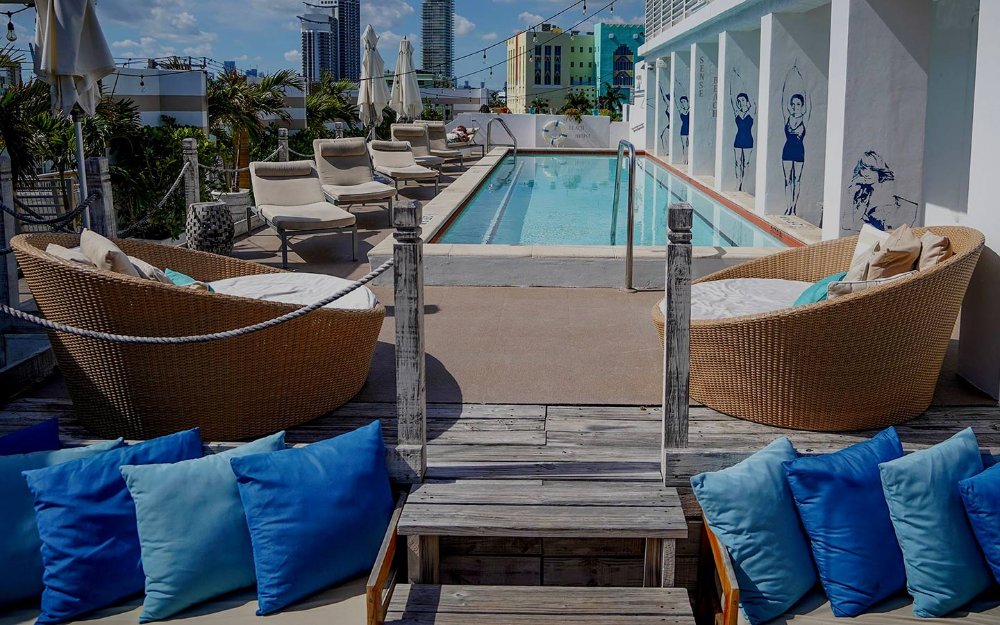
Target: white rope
x=239, y=170
x=159, y=206
x=300, y=153
x=197, y=338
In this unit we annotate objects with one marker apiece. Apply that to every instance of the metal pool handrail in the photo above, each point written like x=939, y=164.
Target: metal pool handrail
x=623, y=147
x=489, y=131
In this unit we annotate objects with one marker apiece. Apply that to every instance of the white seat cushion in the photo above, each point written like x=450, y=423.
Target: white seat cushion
x=410, y=172
x=315, y=216
x=429, y=161
x=364, y=192
x=296, y=288
x=721, y=299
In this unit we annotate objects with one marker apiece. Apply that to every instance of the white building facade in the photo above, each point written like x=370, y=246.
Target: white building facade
x=841, y=113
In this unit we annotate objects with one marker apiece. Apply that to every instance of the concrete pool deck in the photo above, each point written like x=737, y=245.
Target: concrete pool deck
x=592, y=266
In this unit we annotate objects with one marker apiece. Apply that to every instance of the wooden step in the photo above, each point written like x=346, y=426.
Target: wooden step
x=422, y=604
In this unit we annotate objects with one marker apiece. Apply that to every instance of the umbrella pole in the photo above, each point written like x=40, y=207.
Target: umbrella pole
x=81, y=167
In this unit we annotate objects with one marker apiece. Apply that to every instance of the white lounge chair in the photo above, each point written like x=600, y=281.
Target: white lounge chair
x=290, y=199
x=395, y=160
x=345, y=172
x=416, y=136
x=437, y=137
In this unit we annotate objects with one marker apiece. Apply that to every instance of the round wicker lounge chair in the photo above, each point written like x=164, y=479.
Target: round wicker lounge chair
x=866, y=360
x=232, y=389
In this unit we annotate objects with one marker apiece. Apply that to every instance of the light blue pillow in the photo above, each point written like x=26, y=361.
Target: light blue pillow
x=86, y=520
x=817, y=291
x=192, y=530
x=20, y=562
x=749, y=507
x=944, y=567
x=981, y=496
x=843, y=510
x=317, y=514
x=182, y=279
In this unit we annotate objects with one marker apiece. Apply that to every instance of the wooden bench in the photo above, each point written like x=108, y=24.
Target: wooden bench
x=718, y=601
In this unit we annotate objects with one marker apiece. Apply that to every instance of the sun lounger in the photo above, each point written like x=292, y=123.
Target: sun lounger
x=395, y=160
x=345, y=172
x=416, y=136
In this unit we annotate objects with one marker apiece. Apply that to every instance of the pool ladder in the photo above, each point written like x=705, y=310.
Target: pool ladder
x=627, y=150
x=489, y=134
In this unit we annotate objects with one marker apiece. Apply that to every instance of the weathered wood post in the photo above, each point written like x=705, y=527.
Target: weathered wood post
x=102, y=212
x=283, y=144
x=338, y=130
x=8, y=275
x=411, y=399
x=192, y=177
x=677, y=330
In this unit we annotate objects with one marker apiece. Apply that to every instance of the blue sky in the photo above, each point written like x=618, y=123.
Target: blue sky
x=265, y=33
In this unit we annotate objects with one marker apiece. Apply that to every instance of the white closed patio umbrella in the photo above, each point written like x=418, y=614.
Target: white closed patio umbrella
x=405, y=96
x=72, y=55
x=373, y=94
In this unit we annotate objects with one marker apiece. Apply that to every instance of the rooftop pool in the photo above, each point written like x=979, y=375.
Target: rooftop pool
x=566, y=199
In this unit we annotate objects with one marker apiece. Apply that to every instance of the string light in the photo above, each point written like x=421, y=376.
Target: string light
x=584, y=6
x=612, y=8
x=11, y=33
x=142, y=80
x=534, y=36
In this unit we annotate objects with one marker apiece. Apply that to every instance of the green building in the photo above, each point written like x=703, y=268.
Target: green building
x=616, y=51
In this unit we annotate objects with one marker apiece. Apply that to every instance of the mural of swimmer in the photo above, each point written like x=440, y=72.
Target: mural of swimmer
x=743, y=109
x=665, y=133
x=796, y=108
x=873, y=203
x=684, y=112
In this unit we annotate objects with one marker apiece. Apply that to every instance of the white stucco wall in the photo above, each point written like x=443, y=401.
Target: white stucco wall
x=739, y=61
x=794, y=59
x=979, y=356
x=680, y=93
x=877, y=110
x=704, y=107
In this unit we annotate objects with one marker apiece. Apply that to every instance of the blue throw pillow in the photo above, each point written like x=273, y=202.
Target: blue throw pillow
x=317, y=514
x=749, y=507
x=817, y=292
x=20, y=562
x=843, y=509
x=86, y=520
x=944, y=567
x=192, y=530
x=181, y=279
x=42, y=436
x=981, y=496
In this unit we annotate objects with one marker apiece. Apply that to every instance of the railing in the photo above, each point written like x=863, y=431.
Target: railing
x=489, y=134
x=625, y=146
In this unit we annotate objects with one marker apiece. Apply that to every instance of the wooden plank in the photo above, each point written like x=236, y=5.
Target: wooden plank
x=582, y=547
x=591, y=571
x=542, y=453
x=539, y=600
x=542, y=520
x=632, y=471
x=499, y=570
x=551, y=493
x=677, y=327
x=423, y=561
x=447, y=618
x=491, y=546
x=652, y=565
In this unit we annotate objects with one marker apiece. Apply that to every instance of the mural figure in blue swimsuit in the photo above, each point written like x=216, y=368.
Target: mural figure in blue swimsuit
x=743, y=109
x=871, y=204
x=796, y=109
x=684, y=111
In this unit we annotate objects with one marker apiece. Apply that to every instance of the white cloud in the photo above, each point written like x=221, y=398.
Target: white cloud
x=529, y=19
x=386, y=13
x=463, y=26
x=292, y=56
x=166, y=26
x=488, y=37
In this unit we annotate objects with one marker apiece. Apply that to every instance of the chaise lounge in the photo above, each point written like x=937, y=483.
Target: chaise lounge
x=861, y=361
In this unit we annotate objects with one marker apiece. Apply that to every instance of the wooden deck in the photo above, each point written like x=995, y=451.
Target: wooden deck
x=555, y=443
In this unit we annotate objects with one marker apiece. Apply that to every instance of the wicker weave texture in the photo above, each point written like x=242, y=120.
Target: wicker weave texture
x=867, y=360
x=232, y=389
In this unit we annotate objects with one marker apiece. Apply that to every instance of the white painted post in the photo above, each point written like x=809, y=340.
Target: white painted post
x=102, y=212
x=192, y=181
x=338, y=132
x=410, y=463
x=677, y=329
x=8, y=277
x=283, y=145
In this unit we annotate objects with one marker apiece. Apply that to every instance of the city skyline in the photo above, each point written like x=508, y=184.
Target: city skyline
x=267, y=34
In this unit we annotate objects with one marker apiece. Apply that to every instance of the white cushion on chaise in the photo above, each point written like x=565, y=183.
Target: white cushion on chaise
x=296, y=288
x=721, y=299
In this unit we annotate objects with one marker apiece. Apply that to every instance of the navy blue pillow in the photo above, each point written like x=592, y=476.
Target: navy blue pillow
x=86, y=520
x=317, y=514
x=981, y=497
x=42, y=436
x=840, y=501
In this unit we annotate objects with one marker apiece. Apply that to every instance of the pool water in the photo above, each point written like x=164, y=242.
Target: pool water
x=566, y=199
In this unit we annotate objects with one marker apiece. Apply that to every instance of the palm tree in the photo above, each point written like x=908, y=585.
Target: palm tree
x=539, y=104
x=612, y=99
x=327, y=102
x=236, y=108
x=19, y=106
x=577, y=100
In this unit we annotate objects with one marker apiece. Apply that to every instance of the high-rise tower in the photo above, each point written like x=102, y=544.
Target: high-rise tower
x=320, y=45
x=438, y=33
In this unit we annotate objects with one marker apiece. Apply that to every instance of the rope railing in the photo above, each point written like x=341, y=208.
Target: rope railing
x=291, y=151
x=56, y=221
x=145, y=219
x=239, y=170
x=197, y=338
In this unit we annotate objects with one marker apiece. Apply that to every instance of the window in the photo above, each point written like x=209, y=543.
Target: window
x=572, y=49
x=624, y=66
x=538, y=65
x=591, y=50
x=548, y=65
x=558, y=66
